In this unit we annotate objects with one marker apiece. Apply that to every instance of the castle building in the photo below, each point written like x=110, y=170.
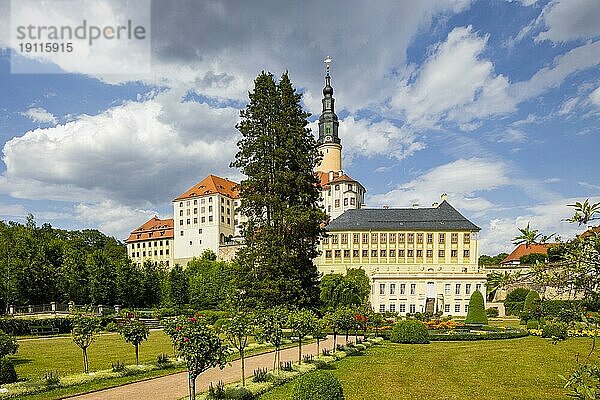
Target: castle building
x=152, y=241
x=339, y=192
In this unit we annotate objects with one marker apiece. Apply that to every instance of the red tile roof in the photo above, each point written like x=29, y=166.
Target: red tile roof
x=595, y=230
x=155, y=228
x=325, y=181
x=211, y=185
x=523, y=250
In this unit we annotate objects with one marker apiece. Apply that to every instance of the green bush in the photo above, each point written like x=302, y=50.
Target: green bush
x=533, y=324
x=519, y=294
x=238, y=393
x=532, y=309
x=492, y=312
x=467, y=336
x=514, y=308
x=409, y=331
x=7, y=371
x=22, y=326
x=555, y=330
x=476, y=314
x=318, y=385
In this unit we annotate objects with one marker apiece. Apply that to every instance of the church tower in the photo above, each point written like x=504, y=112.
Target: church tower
x=329, y=141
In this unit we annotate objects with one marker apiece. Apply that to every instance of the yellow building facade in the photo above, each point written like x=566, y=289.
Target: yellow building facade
x=152, y=241
x=418, y=259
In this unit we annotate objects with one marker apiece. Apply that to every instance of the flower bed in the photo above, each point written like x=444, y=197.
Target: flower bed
x=571, y=332
x=477, y=335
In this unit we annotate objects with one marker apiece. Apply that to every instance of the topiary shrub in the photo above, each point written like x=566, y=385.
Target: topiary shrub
x=492, y=312
x=7, y=371
x=555, y=330
x=533, y=324
x=476, y=314
x=409, y=331
x=318, y=385
x=533, y=306
x=517, y=295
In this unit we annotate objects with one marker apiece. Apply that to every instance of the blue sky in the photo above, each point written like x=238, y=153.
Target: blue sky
x=496, y=103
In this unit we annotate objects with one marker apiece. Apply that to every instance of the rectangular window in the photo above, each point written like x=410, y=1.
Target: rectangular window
x=334, y=239
x=383, y=253
x=210, y=218
x=392, y=238
x=419, y=253
x=429, y=238
x=195, y=220
x=412, y=308
x=181, y=233
x=195, y=202
x=187, y=221
x=402, y=308
x=401, y=238
x=454, y=238
x=447, y=289
x=202, y=210
x=441, y=253
x=352, y=201
x=466, y=253
x=187, y=212
x=382, y=288
x=467, y=238
x=419, y=238
x=411, y=238
x=345, y=201
x=446, y=308
x=180, y=222
x=337, y=187
x=338, y=253
x=429, y=253
x=326, y=240
x=373, y=253
x=209, y=209
x=382, y=308
x=392, y=288
x=392, y=307
x=167, y=251
x=466, y=308
x=453, y=253
x=365, y=253
x=344, y=238
x=468, y=288
x=383, y=238
x=337, y=203
x=478, y=287
x=181, y=213
x=410, y=252
x=203, y=219
x=457, y=308
x=346, y=253
x=373, y=238
x=392, y=253
x=401, y=253
x=354, y=253
x=327, y=253
x=442, y=238
x=403, y=288
x=457, y=289
x=355, y=238
x=349, y=186
x=413, y=288
x=365, y=238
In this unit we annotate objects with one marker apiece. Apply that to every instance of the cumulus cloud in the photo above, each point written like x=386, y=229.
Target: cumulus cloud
x=566, y=20
x=362, y=137
x=138, y=153
x=463, y=180
x=442, y=88
x=40, y=115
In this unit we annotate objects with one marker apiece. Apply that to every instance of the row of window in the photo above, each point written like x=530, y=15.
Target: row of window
x=412, y=308
x=391, y=238
x=143, y=244
x=156, y=253
x=392, y=253
x=150, y=234
x=391, y=288
x=203, y=220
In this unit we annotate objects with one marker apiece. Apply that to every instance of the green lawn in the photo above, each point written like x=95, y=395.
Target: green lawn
x=35, y=357
x=525, y=368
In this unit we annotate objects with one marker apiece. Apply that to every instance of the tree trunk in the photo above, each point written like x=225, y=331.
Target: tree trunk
x=243, y=368
x=318, y=346
x=192, y=386
x=137, y=358
x=334, y=342
x=299, y=351
x=85, y=360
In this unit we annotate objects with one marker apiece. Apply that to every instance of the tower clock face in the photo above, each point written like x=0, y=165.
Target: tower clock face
x=328, y=138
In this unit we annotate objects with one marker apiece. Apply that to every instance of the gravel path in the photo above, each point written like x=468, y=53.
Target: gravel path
x=174, y=387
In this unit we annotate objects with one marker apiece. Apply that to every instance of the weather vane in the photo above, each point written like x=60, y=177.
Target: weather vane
x=328, y=61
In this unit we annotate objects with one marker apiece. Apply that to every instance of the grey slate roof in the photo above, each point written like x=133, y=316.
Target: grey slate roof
x=443, y=217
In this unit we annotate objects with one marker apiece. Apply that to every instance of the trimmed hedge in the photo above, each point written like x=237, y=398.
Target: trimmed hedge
x=7, y=371
x=474, y=336
x=410, y=331
x=476, y=314
x=22, y=326
x=319, y=385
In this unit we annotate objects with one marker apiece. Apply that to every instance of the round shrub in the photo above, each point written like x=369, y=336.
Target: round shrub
x=556, y=330
x=318, y=385
x=476, y=314
x=533, y=306
x=7, y=371
x=409, y=331
x=519, y=294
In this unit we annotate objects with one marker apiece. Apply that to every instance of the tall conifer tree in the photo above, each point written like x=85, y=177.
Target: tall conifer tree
x=278, y=154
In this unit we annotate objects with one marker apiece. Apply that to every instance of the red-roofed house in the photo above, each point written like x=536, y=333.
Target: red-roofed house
x=513, y=259
x=152, y=241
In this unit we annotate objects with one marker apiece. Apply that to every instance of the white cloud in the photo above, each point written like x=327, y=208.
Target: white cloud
x=138, y=153
x=595, y=96
x=40, y=115
x=552, y=180
x=462, y=180
x=588, y=185
x=567, y=20
x=441, y=89
x=362, y=137
x=12, y=210
x=511, y=135
x=568, y=106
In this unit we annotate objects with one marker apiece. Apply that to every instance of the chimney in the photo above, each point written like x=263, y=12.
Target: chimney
x=444, y=196
x=340, y=173
x=330, y=176
x=435, y=205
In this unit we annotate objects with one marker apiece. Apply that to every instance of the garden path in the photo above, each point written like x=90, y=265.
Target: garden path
x=174, y=387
